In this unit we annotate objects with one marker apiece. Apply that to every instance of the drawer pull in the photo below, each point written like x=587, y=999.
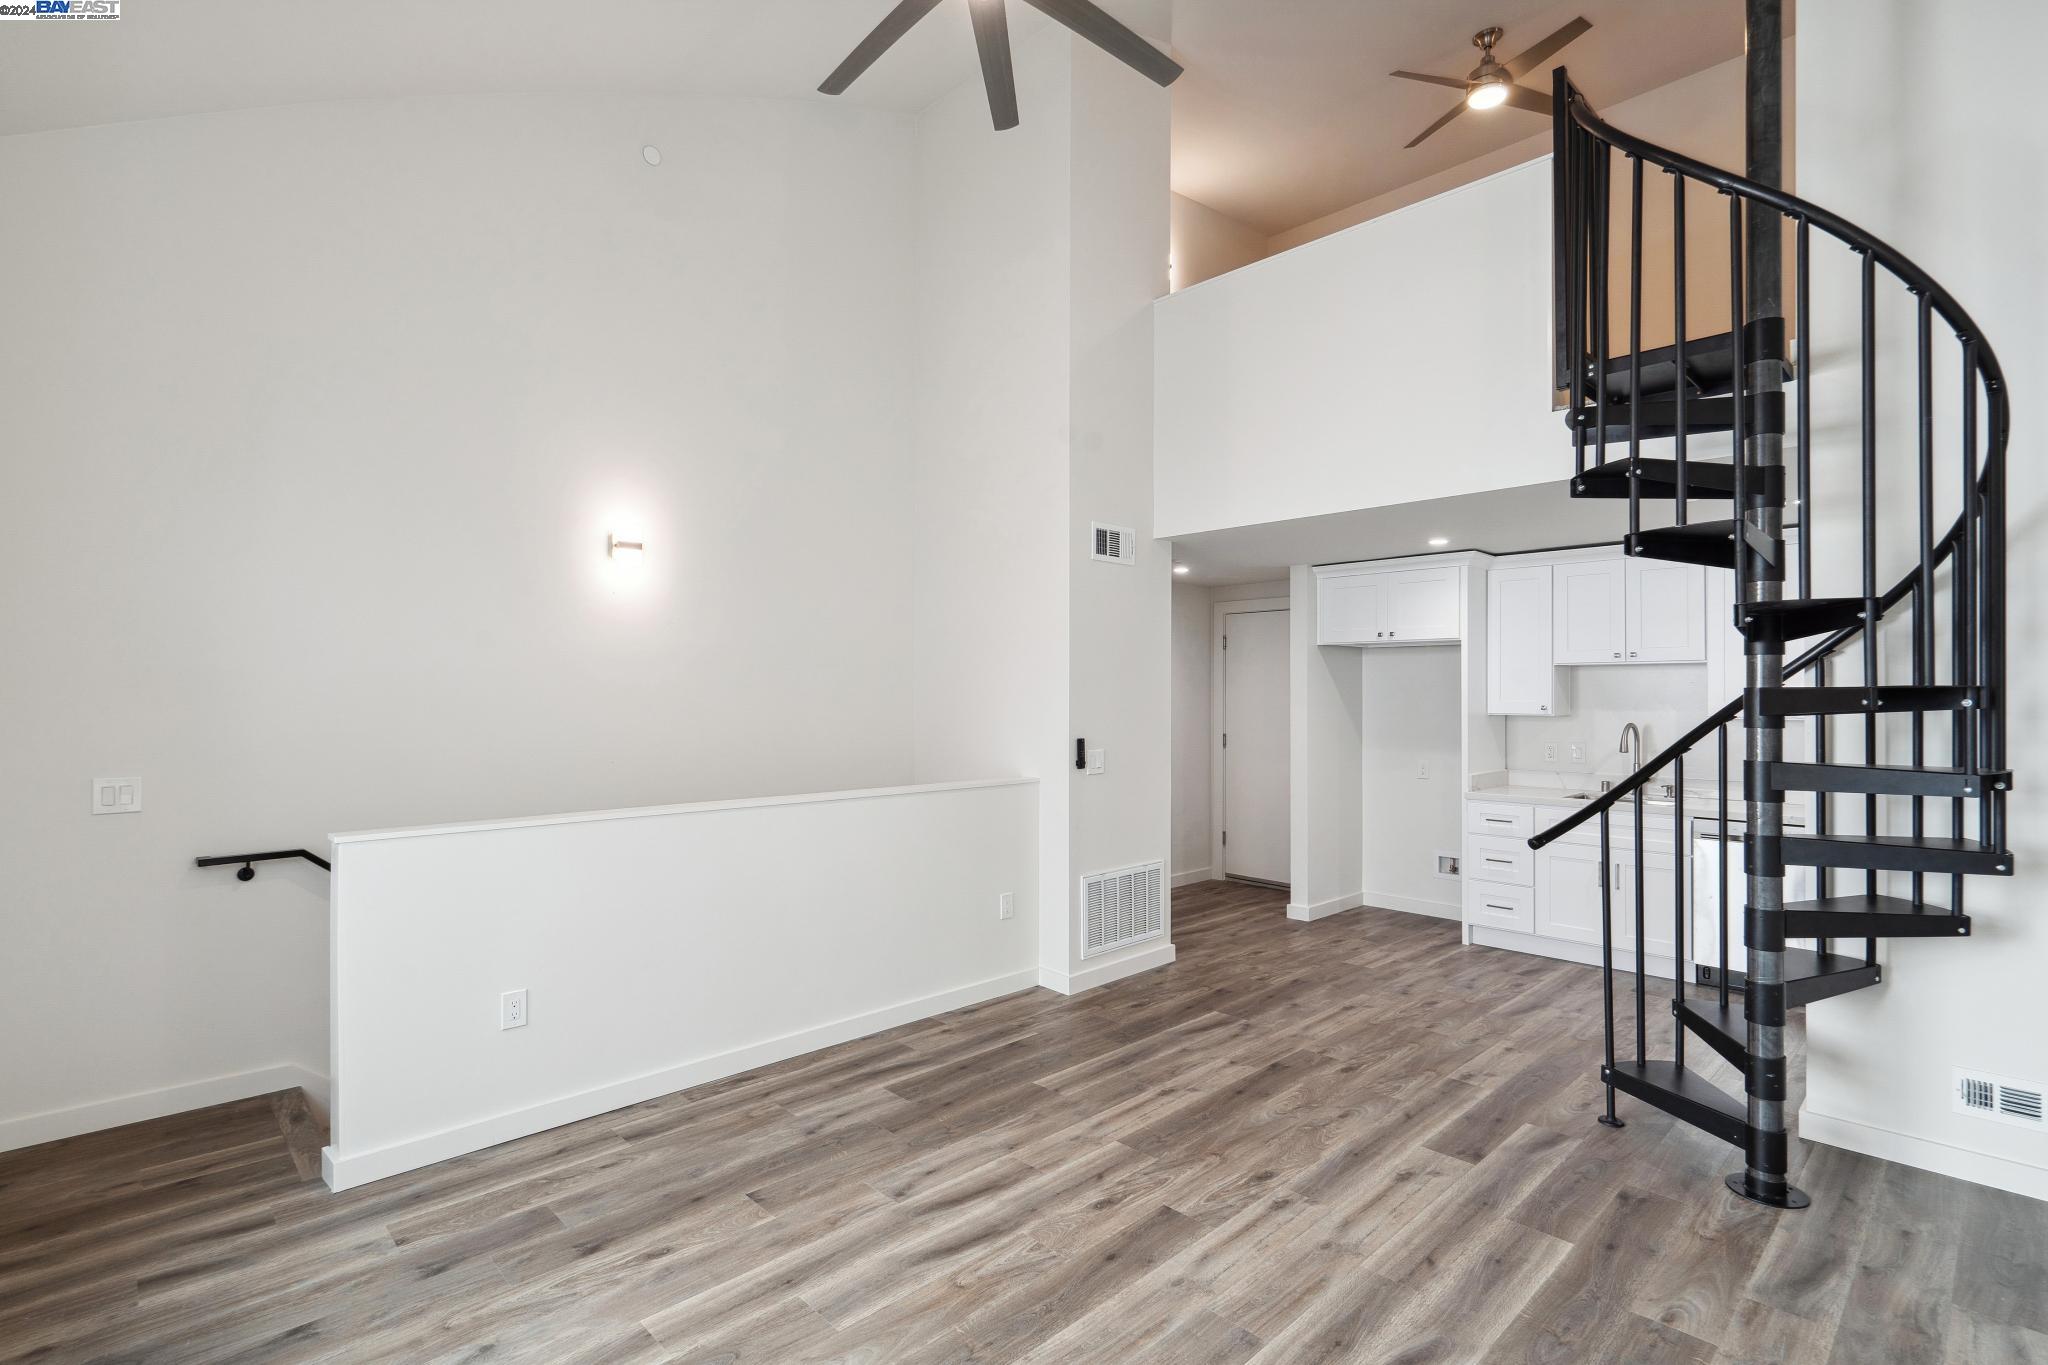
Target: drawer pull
x=1504, y=862
x=1498, y=820
x=1509, y=909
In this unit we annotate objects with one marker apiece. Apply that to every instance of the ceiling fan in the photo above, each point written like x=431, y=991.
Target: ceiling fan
x=992, y=39
x=1492, y=82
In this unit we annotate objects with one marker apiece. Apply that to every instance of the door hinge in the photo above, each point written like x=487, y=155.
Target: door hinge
x=1226, y=739
x=1226, y=838
x=1226, y=642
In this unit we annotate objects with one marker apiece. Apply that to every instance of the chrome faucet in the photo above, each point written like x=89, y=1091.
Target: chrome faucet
x=1632, y=745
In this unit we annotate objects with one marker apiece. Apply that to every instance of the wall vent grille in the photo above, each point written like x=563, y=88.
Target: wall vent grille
x=1122, y=907
x=1114, y=544
x=1997, y=1097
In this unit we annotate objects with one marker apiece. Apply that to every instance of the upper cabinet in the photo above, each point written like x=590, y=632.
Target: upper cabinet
x=1612, y=610
x=1418, y=606
x=1520, y=677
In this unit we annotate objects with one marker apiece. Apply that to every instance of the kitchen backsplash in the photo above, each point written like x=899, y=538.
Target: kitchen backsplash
x=1664, y=700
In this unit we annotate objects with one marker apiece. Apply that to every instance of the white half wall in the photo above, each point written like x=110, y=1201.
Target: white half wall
x=660, y=948
x=316, y=421
x=1350, y=373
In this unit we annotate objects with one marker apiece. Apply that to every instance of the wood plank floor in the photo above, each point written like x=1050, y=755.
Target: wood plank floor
x=1350, y=1140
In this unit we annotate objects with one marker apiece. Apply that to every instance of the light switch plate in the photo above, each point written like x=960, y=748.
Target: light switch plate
x=116, y=795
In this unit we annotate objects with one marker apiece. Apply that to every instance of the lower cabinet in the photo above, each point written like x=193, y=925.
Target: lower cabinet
x=1568, y=894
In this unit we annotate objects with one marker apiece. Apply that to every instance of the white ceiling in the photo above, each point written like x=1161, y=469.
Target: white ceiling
x=1286, y=111
x=1540, y=516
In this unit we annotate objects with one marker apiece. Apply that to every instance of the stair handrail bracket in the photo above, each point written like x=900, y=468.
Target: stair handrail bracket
x=1891, y=843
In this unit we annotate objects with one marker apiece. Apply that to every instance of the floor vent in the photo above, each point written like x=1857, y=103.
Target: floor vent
x=1995, y=1097
x=1116, y=544
x=1122, y=907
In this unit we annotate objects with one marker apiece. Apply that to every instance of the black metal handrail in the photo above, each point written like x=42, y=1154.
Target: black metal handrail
x=247, y=859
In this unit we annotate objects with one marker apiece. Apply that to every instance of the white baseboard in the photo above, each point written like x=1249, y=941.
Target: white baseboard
x=1193, y=875
x=1981, y=1168
x=345, y=1170
x=1088, y=978
x=31, y=1129
x=1411, y=905
x=1337, y=905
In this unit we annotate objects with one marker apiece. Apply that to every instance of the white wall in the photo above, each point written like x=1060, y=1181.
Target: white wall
x=1324, y=769
x=1350, y=373
x=1410, y=721
x=1039, y=251
x=658, y=948
x=1207, y=243
x=1192, y=641
x=1903, y=133
x=316, y=421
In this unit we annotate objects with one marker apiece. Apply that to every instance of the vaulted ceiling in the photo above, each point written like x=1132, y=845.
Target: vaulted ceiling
x=1286, y=112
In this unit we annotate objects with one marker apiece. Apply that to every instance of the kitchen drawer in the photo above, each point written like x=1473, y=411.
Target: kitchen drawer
x=1497, y=905
x=1500, y=860
x=1498, y=817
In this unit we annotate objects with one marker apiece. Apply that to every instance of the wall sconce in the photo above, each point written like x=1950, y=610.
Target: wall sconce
x=624, y=551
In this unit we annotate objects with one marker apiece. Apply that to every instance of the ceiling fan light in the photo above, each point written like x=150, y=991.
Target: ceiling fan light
x=1488, y=92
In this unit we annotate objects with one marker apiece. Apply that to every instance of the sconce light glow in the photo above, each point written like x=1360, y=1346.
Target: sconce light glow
x=1180, y=568
x=627, y=552
x=1439, y=540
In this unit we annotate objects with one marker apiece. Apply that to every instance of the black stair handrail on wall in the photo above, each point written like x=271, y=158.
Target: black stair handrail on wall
x=248, y=872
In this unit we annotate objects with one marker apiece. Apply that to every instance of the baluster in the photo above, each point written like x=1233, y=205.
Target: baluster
x=1923, y=591
x=1635, y=347
x=1869, y=417
x=1607, y=961
x=1678, y=863
x=1738, y=356
x=1642, y=984
x=1601, y=210
x=1804, y=455
x=1682, y=381
x=1721, y=743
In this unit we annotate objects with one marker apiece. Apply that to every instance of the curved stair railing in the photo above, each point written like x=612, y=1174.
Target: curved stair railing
x=1734, y=383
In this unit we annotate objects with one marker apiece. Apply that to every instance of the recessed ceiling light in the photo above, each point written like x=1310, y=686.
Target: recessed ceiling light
x=1439, y=540
x=1180, y=568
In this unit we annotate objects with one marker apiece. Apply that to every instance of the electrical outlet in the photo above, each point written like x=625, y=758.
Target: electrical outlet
x=512, y=1009
x=1095, y=760
x=1550, y=753
x=1422, y=771
x=1006, y=906
x=1578, y=753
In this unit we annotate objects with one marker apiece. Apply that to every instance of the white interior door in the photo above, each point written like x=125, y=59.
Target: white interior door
x=1255, y=742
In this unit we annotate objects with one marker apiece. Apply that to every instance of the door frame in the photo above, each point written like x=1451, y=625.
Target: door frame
x=1221, y=608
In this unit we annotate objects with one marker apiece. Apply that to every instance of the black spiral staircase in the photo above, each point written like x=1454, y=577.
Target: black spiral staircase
x=1891, y=841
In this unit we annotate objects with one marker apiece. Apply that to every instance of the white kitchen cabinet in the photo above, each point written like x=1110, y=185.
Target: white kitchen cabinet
x=1589, y=615
x=1568, y=892
x=1419, y=606
x=1521, y=677
x=1568, y=902
x=1348, y=608
x=1667, y=612
x=1611, y=610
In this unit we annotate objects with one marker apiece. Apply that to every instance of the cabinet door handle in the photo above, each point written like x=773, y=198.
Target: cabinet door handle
x=1617, y=654
x=1631, y=654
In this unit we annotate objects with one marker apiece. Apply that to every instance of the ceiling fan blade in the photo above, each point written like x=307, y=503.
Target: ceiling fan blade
x=1429, y=80
x=992, y=39
x=894, y=25
x=1537, y=55
x=1522, y=97
x=1105, y=32
x=1456, y=110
